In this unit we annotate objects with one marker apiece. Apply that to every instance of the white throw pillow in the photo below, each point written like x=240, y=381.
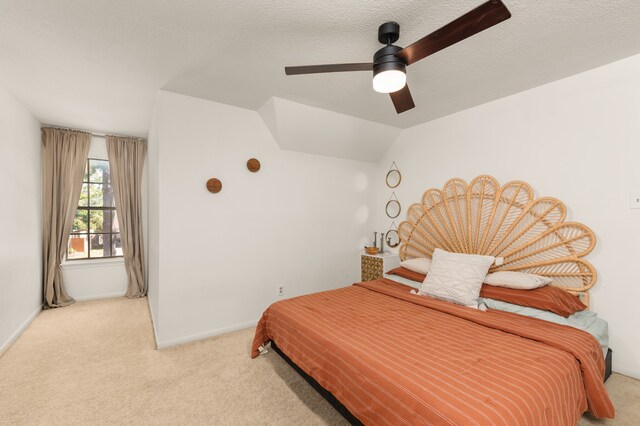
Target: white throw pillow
x=456, y=277
x=419, y=265
x=517, y=280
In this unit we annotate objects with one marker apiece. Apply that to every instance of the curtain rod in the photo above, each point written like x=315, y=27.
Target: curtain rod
x=93, y=133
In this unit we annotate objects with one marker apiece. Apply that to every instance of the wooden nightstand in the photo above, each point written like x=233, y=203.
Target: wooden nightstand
x=373, y=266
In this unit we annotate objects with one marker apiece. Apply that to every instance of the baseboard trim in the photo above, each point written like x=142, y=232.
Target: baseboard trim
x=99, y=296
x=19, y=331
x=205, y=334
x=634, y=374
x=153, y=322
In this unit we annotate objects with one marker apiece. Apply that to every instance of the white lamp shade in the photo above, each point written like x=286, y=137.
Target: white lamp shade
x=389, y=81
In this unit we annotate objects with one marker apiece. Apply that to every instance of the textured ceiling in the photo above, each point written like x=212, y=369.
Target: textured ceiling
x=98, y=64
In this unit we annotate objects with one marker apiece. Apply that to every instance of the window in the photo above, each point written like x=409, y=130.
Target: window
x=95, y=232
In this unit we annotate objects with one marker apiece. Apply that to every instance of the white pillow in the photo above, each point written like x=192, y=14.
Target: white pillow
x=419, y=265
x=517, y=280
x=456, y=277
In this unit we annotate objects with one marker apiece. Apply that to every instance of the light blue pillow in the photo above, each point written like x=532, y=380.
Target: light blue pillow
x=584, y=320
x=403, y=280
x=581, y=319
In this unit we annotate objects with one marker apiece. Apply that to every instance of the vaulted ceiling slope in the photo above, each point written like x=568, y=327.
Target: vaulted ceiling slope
x=99, y=64
x=298, y=127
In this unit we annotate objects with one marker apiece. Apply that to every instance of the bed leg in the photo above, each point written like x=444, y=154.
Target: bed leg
x=262, y=350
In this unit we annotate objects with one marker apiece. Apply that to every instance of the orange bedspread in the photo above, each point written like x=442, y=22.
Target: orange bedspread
x=395, y=358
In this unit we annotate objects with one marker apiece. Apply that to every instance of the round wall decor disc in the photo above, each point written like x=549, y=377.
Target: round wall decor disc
x=253, y=165
x=214, y=185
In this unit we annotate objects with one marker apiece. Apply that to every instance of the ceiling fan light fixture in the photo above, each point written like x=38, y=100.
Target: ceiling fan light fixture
x=389, y=71
x=389, y=81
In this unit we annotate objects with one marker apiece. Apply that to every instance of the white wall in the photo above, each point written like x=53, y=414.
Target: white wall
x=300, y=221
x=95, y=278
x=576, y=139
x=21, y=219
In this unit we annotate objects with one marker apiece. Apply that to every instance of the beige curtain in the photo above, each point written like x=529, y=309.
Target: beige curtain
x=126, y=160
x=63, y=163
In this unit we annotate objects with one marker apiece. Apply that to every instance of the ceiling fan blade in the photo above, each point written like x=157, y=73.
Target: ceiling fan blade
x=479, y=19
x=402, y=99
x=314, y=69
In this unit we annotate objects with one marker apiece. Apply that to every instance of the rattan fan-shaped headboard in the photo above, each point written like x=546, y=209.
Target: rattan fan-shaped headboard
x=484, y=218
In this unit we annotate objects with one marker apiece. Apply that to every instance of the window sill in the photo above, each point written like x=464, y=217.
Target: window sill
x=91, y=263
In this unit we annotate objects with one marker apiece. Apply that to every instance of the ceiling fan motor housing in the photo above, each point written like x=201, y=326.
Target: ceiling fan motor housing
x=385, y=59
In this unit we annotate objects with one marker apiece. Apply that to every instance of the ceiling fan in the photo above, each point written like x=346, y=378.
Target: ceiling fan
x=390, y=63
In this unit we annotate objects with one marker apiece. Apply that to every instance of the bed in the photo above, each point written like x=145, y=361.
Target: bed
x=386, y=356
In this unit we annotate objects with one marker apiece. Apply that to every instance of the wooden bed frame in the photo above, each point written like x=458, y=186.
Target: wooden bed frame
x=529, y=234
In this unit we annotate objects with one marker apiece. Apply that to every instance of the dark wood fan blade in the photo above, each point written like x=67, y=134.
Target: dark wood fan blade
x=314, y=69
x=402, y=99
x=479, y=19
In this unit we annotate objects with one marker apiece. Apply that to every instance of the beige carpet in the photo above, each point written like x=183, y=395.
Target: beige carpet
x=95, y=362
